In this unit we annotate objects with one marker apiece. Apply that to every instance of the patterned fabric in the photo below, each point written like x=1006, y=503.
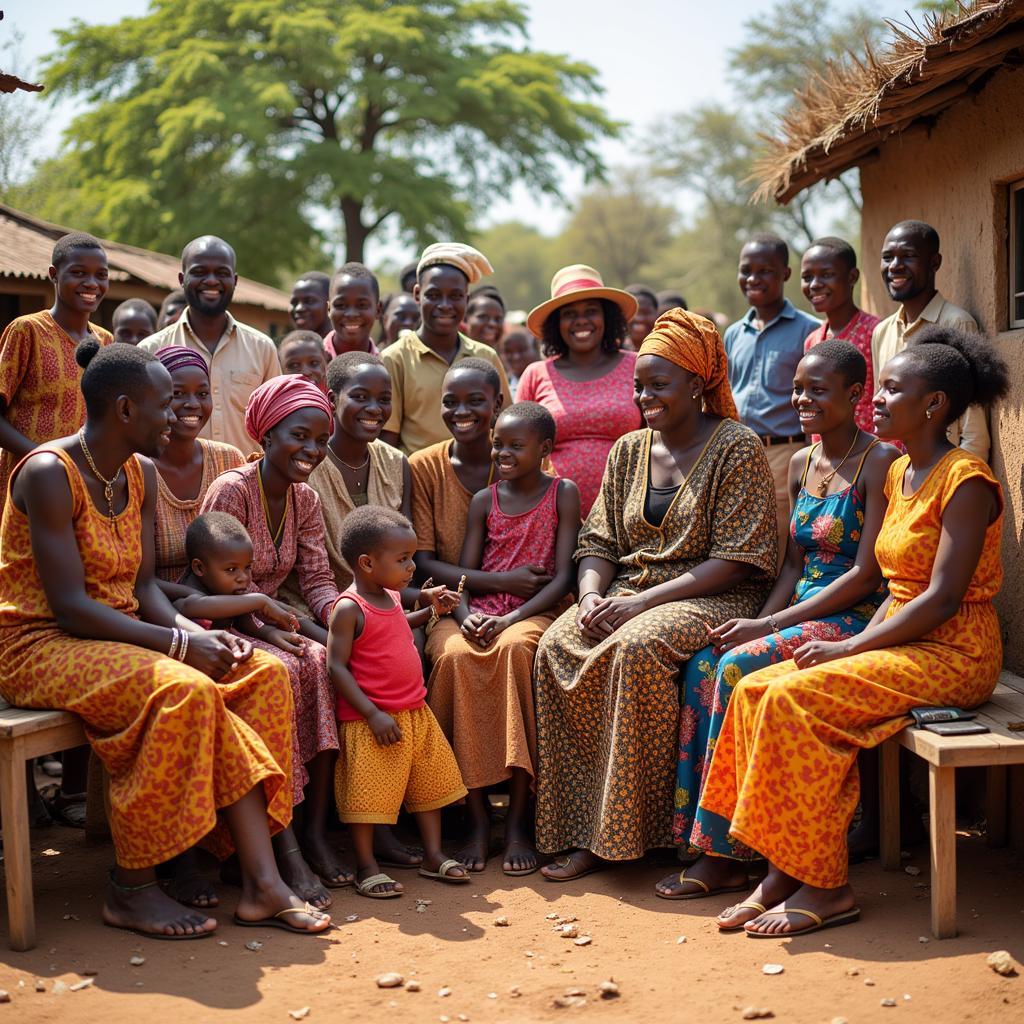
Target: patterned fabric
x=372, y=782
x=858, y=333
x=788, y=731
x=590, y=416
x=174, y=515
x=828, y=531
x=608, y=713
x=440, y=504
x=177, y=745
x=517, y=540
x=39, y=383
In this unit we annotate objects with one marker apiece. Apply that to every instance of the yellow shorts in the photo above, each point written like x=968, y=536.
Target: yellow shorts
x=371, y=782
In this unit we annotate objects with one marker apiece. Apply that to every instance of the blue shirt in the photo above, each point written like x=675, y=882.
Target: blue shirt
x=761, y=368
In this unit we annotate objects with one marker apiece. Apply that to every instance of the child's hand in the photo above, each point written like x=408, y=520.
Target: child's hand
x=440, y=598
x=385, y=728
x=484, y=629
x=290, y=642
x=277, y=614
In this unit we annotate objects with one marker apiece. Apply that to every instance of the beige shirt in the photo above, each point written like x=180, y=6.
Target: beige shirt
x=417, y=374
x=243, y=360
x=889, y=338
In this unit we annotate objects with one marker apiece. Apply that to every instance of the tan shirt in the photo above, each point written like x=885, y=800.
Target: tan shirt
x=417, y=374
x=889, y=338
x=243, y=360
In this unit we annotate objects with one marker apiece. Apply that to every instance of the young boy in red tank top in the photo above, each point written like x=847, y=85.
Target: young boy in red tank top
x=392, y=749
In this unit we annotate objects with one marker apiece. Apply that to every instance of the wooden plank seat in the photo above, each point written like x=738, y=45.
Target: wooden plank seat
x=25, y=733
x=995, y=751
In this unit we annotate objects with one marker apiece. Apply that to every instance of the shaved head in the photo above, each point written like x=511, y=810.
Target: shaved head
x=924, y=234
x=207, y=245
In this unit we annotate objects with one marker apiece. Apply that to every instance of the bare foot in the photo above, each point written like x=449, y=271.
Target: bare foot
x=148, y=910
x=260, y=903
x=389, y=850
x=717, y=873
x=373, y=868
x=186, y=884
x=474, y=853
x=775, y=887
x=323, y=861
x=301, y=880
x=824, y=903
x=575, y=865
x=520, y=853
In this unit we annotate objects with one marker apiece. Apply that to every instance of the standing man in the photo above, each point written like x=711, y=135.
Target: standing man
x=240, y=357
x=764, y=349
x=910, y=261
x=308, y=305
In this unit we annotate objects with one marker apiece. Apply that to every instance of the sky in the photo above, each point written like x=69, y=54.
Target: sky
x=668, y=55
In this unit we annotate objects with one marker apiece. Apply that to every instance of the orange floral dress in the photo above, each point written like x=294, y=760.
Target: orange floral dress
x=784, y=770
x=177, y=745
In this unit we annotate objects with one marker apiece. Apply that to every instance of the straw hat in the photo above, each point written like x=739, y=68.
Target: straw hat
x=571, y=284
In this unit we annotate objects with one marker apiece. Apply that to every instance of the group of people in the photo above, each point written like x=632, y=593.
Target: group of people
x=659, y=586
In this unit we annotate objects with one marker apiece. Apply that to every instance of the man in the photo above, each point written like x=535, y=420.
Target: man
x=240, y=357
x=910, y=261
x=419, y=360
x=763, y=350
x=308, y=304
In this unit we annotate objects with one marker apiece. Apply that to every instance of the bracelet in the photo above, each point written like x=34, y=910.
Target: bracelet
x=434, y=616
x=590, y=593
x=184, y=646
x=773, y=624
x=175, y=640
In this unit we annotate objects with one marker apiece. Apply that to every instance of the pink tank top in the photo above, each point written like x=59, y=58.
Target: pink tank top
x=384, y=659
x=515, y=541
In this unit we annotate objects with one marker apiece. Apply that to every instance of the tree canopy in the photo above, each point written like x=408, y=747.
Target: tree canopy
x=280, y=125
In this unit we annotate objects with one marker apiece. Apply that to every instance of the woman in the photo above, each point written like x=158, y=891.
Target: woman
x=485, y=315
x=586, y=381
x=828, y=589
x=193, y=726
x=642, y=322
x=935, y=640
x=681, y=539
x=290, y=418
x=189, y=463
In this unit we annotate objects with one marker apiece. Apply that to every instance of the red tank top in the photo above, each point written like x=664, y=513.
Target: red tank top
x=515, y=541
x=384, y=659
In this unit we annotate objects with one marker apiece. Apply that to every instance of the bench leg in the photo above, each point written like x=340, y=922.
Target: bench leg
x=17, y=855
x=942, y=802
x=995, y=804
x=889, y=805
x=1017, y=807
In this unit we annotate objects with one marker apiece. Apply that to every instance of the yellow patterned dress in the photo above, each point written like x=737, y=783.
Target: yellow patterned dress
x=784, y=769
x=608, y=712
x=177, y=745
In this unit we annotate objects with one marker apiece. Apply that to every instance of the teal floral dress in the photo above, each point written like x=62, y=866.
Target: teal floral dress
x=828, y=529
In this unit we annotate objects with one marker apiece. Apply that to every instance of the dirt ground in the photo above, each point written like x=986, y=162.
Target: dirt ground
x=454, y=944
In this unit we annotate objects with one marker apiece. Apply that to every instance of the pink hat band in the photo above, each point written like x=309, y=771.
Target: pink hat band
x=577, y=285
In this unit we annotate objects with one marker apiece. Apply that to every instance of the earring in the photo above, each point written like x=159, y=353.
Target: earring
x=928, y=413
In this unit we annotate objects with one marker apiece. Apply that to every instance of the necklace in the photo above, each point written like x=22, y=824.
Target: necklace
x=108, y=485
x=827, y=479
x=275, y=534
x=352, y=469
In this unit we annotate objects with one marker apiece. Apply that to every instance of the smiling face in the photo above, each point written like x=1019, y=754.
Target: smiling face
x=403, y=314
x=666, y=394
x=191, y=402
x=442, y=293
x=131, y=328
x=208, y=277
x=825, y=279
x=308, y=307
x=298, y=444
x=363, y=405
x=485, y=320
x=581, y=325
x=468, y=404
x=152, y=418
x=643, y=321
x=908, y=263
x=391, y=564
x=82, y=280
x=307, y=358
x=517, y=449
x=228, y=570
x=821, y=397
x=903, y=399
x=518, y=350
x=762, y=275
x=354, y=308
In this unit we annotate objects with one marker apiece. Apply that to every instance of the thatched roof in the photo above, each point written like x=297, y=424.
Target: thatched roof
x=843, y=114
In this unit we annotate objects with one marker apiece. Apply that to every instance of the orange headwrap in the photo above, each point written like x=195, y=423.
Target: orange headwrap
x=692, y=342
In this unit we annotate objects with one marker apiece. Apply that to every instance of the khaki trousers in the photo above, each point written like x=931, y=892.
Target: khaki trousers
x=779, y=456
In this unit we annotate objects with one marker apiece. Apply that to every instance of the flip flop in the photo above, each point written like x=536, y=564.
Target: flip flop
x=441, y=874
x=750, y=905
x=568, y=862
x=707, y=890
x=365, y=887
x=846, y=917
x=278, y=921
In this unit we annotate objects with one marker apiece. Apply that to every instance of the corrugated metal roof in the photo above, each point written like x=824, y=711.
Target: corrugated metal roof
x=26, y=243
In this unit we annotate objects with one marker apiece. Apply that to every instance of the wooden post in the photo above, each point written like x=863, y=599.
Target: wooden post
x=889, y=804
x=942, y=803
x=995, y=803
x=17, y=855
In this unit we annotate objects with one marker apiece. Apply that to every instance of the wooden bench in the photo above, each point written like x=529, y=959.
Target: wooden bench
x=996, y=751
x=25, y=734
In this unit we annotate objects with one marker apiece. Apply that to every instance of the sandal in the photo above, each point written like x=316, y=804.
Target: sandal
x=568, y=862
x=367, y=885
x=441, y=874
x=817, y=923
x=278, y=921
x=749, y=905
x=706, y=889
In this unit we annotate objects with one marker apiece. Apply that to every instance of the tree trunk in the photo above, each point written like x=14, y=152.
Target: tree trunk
x=356, y=232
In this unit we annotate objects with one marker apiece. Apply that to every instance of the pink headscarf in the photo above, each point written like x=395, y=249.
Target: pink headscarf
x=273, y=401
x=174, y=357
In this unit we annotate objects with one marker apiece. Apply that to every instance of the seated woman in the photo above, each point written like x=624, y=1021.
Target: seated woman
x=290, y=419
x=798, y=726
x=193, y=726
x=681, y=539
x=828, y=589
x=481, y=685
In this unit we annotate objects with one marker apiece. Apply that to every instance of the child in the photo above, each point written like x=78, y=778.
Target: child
x=40, y=396
x=171, y=308
x=518, y=349
x=303, y=352
x=392, y=749
x=308, y=303
x=485, y=315
x=133, y=320
x=401, y=313
x=481, y=686
x=354, y=308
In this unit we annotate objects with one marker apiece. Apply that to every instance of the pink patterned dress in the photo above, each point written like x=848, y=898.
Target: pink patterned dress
x=590, y=417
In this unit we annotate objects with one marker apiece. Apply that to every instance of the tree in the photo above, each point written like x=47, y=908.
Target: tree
x=21, y=122
x=260, y=120
x=524, y=261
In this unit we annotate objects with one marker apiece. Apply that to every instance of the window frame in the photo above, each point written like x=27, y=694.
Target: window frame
x=1015, y=263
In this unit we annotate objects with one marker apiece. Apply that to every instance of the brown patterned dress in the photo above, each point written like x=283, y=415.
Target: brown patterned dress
x=607, y=713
